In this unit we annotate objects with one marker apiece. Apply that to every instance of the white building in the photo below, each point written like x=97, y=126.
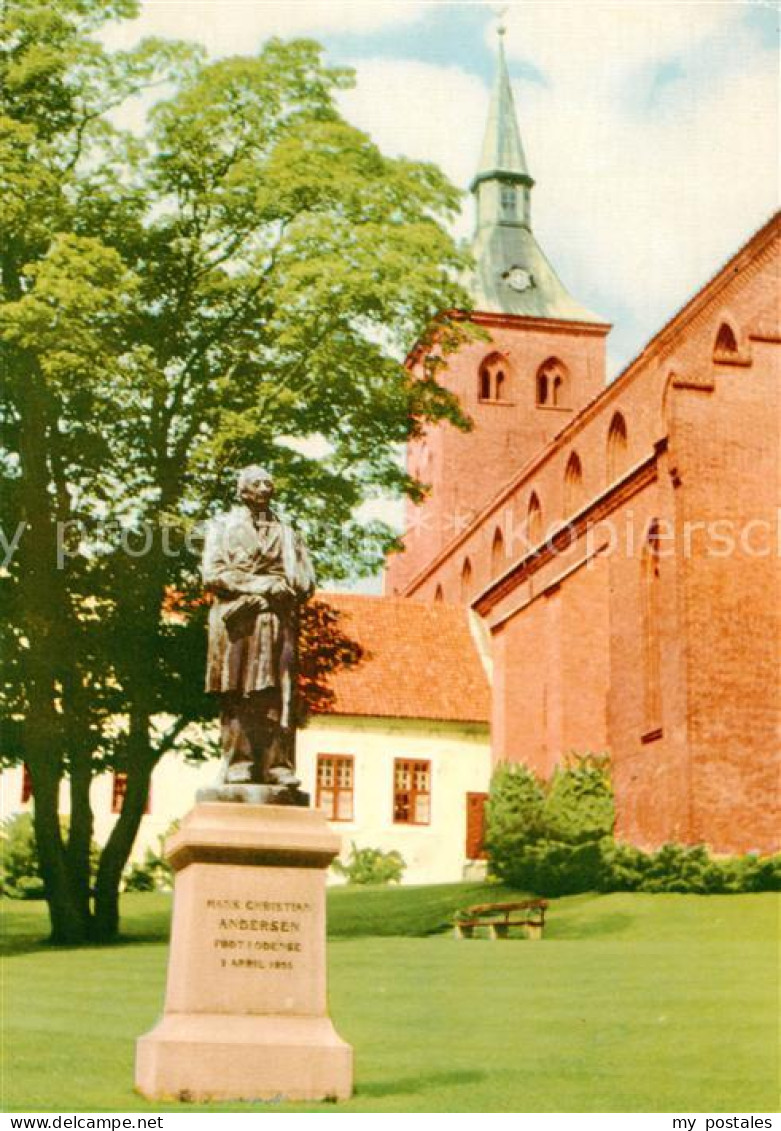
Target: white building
x=401, y=761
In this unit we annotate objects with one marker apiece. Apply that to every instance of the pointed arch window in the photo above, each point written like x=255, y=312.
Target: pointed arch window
x=726, y=345
x=497, y=553
x=617, y=441
x=439, y=595
x=466, y=580
x=553, y=384
x=493, y=379
x=573, y=483
x=652, y=653
x=534, y=520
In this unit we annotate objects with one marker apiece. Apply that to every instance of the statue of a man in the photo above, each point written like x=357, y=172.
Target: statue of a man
x=259, y=571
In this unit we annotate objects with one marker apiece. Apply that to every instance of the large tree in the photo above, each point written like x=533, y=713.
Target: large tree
x=234, y=283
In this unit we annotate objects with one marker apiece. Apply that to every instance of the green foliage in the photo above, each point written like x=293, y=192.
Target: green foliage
x=514, y=814
x=371, y=866
x=578, y=804
x=153, y=873
x=20, y=873
x=686, y=868
x=545, y=837
x=556, y=838
x=237, y=281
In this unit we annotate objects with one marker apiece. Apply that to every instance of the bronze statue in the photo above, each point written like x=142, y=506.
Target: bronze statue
x=258, y=569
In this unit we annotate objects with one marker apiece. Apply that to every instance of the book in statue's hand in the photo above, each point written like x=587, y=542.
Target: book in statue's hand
x=240, y=614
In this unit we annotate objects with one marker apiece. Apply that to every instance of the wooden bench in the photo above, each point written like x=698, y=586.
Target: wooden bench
x=499, y=917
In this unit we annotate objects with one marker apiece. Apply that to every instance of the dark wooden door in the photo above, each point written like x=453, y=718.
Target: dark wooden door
x=475, y=825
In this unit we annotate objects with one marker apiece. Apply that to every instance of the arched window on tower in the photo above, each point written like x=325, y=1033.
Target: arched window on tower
x=553, y=384
x=497, y=553
x=466, y=581
x=485, y=385
x=573, y=484
x=509, y=201
x=439, y=596
x=652, y=652
x=493, y=378
x=616, y=447
x=726, y=345
x=534, y=520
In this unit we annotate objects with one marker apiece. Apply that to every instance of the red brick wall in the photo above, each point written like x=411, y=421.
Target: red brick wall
x=725, y=443
x=569, y=628
x=465, y=470
x=550, y=660
x=651, y=772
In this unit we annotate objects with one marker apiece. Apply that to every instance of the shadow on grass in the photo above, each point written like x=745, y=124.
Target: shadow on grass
x=420, y=1083
x=18, y=944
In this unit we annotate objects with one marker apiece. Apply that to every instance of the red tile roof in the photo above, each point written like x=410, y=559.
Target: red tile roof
x=421, y=661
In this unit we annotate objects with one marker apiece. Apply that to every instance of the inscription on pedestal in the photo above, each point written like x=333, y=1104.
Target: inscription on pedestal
x=259, y=934
x=249, y=938
x=245, y=1009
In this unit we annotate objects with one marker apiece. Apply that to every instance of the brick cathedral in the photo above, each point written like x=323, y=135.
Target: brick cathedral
x=617, y=544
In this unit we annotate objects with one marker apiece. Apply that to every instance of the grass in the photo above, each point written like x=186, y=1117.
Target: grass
x=631, y=1003
x=352, y=913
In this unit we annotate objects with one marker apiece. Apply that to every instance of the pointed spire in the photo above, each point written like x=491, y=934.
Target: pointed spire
x=502, y=154
x=512, y=275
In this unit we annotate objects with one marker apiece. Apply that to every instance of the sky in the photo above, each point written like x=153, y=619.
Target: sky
x=650, y=126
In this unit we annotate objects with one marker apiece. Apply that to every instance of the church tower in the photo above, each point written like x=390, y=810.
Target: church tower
x=544, y=361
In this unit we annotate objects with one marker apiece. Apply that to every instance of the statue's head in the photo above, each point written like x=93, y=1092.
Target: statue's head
x=255, y=486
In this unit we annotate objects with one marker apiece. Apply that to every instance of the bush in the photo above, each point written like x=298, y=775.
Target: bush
x=514, y=818
x=761, y=874
x=154, y=873
x=371, y=866
x=547, y=837
x=19, y=874
x=556, y=868
x=556, y=838
x=687, y=869
x=579, y=806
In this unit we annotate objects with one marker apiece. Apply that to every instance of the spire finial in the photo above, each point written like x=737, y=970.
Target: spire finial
x=502, y=158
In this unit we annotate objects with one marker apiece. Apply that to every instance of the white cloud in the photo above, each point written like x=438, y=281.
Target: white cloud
x=596, y=42
x=641, y=191
x=643, y=188
x=421, y=111
x=227, y=27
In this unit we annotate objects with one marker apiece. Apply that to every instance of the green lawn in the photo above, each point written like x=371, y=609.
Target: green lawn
x=631, y=1003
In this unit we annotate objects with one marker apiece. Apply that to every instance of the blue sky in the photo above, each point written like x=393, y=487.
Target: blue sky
x=651, y=126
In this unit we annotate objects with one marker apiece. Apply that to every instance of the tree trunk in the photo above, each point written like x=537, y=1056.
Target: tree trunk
x=80, y=832
x=115, y=855
x=45, y=614
x=69, y=923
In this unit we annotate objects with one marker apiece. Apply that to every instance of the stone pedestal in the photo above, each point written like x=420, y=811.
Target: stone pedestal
x=245, y=1010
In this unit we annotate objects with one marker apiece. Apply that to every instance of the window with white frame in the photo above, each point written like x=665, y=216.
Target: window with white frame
x=335, y=786
x=411, y=792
